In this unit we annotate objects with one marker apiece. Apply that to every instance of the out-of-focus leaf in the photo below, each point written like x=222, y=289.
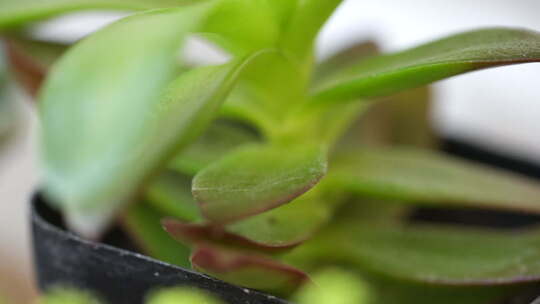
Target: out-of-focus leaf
x=244, y=26
x=43, y=52
x=266, y=93
x=195, y=234
x=29, y=72
x=335, y=286
x=220, y=139
x=438, y=255
x=288, y=225
x=247, y=269
x=257, y=178
x=95, y=156
x=402, y=119
x=170, y=193
x=344, y=59
x=304, y=26
x=16, y=13
x=387, y=74
x=181, y=295
x=422, y=176
x=8, y=115
x=142, y=223
x=61, y=295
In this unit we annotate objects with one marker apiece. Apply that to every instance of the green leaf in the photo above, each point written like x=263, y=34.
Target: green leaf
x=304, y=26
x=256, y=179
x=59, y=295
x=16, y=13
x=402, y=119
x=288, y=225
x=344, y=59
x=246, y=269
x=422, y=176
x=388, y=74
x=439, y=255
x=220, y=139
x=95, y=155
x=142, y=223
x=335, y=286
x=182, y=295
x=170, y=193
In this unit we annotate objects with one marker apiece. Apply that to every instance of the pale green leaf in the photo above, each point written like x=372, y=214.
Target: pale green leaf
x=183, y=295
x=257, y=178
x=461, y=53
x=103, y=117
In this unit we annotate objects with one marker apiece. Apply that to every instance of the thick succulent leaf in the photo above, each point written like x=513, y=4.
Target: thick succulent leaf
x=203, y=233
x=426, y=177
x=335, y=286
x=440, y=255
x=267, y=91
x=182, y=295
x=243, y=26
x=257, y=178
x=247, y=269
x=304, y=26
x=95, y=156
x=388, y=74
x=15, y=13
x=170, y=193
x=343, y=59
x=142, y=223
x=288, y=225
x=220, y=139
x=401, y=119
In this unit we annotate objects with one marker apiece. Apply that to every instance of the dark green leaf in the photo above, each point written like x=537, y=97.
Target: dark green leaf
x=440, y=255
x=422, y=176
x=142, y=223
x=247, y=269
x=220, y=139
x=257, y=178
x=170, y=193
x=387, y=74
x=288, y=225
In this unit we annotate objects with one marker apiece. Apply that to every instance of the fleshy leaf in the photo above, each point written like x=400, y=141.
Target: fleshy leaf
x=257, y=178
x=335, y=286
x=183, y=295
x=195, y=234
x=248, y=269
x=170, y=193
x=15, y=13
x=288, y=225
x=401, y=119
x=220, y=139
x=425, y=177
x=142, y=223
x=95, y=156
x=440, y=255
x=461, y=53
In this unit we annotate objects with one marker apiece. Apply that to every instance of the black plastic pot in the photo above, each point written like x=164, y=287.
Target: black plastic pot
x=118, y=276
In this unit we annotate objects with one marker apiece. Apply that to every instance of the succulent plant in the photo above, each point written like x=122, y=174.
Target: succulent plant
x=271, y=165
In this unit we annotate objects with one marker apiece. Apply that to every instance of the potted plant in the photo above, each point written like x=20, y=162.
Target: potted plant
x=263, y=168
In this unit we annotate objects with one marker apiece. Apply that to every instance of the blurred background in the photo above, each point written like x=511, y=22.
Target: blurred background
x=498, y=109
